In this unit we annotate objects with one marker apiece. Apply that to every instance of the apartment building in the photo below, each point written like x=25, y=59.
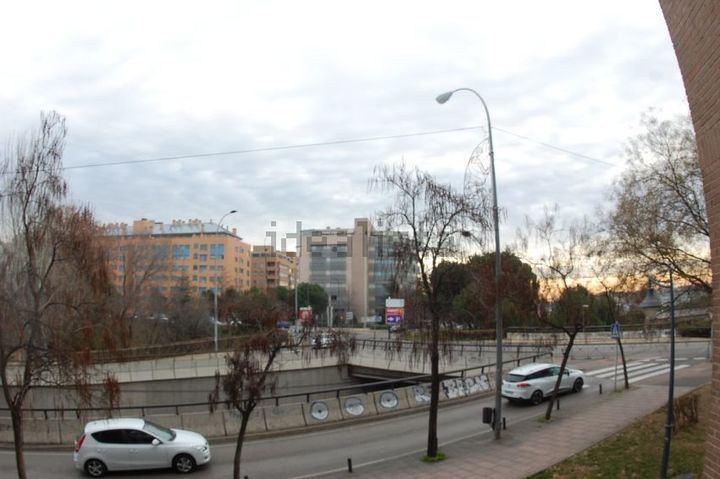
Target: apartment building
x=272, y=268
x=201, y=253
x=356, y=266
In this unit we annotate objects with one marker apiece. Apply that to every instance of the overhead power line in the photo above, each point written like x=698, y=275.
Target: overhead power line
x=331, y=143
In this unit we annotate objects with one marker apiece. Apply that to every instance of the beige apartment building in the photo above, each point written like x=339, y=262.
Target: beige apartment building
x=356, y=266
x=203, y=253
x=272, y=268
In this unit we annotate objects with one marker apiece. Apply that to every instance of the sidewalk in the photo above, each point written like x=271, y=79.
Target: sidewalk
x=528, y=447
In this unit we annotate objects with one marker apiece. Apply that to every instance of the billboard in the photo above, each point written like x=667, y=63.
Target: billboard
x=394, y=315
x=394, y=310
x=305, y=316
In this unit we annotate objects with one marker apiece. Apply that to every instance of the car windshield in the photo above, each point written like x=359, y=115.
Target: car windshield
x=515, y=378
x=158, y=431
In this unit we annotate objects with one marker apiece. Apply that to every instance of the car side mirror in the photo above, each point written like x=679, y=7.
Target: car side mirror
x=155, y=442
x=567, y=373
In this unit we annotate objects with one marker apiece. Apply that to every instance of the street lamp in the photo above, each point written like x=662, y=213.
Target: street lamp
x=215, y=319
x=498, y=317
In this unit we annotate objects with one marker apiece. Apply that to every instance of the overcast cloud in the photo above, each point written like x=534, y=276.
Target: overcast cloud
x=143, y=80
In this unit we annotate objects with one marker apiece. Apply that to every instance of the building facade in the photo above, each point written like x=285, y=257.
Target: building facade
x=356, y=266
x=165, y=257
x=272, y=268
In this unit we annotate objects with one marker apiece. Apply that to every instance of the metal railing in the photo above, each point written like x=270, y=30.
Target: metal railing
x=48, y=413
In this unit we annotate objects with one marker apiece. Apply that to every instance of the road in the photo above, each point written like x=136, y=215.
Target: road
x=327, y=451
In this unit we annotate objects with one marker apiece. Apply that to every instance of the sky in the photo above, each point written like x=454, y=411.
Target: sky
x=273, y=86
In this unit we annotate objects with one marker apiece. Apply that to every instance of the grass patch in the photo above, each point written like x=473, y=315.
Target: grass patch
x=637, y=450
x=440, y=457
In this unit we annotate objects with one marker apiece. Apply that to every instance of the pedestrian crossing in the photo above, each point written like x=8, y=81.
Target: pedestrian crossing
x=638, y=370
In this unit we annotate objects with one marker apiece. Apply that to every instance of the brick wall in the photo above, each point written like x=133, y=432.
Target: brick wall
x=695, y=31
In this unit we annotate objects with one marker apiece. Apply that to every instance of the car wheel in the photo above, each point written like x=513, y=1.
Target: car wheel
x=95, y=468
x=578, y=385
x=183, y=463
x=536, y=398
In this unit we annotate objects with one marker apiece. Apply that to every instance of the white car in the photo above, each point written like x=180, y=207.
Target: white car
x=127, y=443
x=535, y=382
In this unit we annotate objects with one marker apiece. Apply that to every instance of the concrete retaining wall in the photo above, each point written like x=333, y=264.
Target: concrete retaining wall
x=268, y=418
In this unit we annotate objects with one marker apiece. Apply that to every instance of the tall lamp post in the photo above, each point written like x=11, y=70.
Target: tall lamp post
x=498, y=317
x=215, y=295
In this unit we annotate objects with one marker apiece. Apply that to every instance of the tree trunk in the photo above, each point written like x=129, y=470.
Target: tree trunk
x=566, y=355
x=432, y=448
x=245, y=417
x=16, y=416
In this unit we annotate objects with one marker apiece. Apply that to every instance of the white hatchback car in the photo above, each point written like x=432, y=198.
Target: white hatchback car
x=127, y=443
x=534, y=382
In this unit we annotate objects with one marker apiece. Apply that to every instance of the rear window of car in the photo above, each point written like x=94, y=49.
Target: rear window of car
x=112, y=436
x=515, y=378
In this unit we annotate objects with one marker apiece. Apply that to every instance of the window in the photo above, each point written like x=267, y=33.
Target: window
x=203, y=268
x=217, y=251
x=112, y=436
x=203, y=247
x=203, y=257
x=181, y=251
x=133, y=436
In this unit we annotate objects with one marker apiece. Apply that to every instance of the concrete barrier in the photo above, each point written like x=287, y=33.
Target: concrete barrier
x=391, y=400
x=70, y=429
x=357, y=405
x=257, y=422
x=269, y=418
x=322, y=411
x=284, y=416
x=206, y=423
x=418, y=395
x=41, y=431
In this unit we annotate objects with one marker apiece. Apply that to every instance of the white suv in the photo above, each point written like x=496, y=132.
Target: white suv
x=127, y=443
x=534, y=382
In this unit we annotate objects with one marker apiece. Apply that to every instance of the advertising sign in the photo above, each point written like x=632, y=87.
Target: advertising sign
x=394, y=315
x=305, y=315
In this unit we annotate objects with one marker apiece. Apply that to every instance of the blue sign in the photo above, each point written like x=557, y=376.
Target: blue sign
x=615, y=331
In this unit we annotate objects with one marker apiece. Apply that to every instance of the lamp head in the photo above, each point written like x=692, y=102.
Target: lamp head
x=442, y=98
x=232, y=211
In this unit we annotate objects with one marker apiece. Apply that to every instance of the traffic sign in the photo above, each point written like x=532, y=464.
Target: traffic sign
x=615, y=330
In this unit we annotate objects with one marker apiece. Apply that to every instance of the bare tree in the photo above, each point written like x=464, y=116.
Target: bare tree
x=439, y=220
x=137, y=264
x=251, y=369
x=558, y=255
x=52, y=274
x=659, y=220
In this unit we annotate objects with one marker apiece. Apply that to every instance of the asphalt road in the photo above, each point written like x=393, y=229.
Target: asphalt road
x=326, y=451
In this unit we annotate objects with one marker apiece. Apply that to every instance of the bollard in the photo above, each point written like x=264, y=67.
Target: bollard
x=245, y=477
x=600, y=388
x=349, y=464
x=504, y=423
x=558, y=404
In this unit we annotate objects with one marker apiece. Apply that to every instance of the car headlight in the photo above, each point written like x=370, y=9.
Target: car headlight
x=201, y=448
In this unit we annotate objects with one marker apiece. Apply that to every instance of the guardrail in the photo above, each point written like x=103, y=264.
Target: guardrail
x=48, y=413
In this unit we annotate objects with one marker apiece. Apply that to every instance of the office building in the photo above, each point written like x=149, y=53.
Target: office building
x=356, y=266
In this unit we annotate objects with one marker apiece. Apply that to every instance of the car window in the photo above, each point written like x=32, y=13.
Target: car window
x=134, y=436
x=162, y=433
x=111, y=436
x=515, y=378
x=554, y=371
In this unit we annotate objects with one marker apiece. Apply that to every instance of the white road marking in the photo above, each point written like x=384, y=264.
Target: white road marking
x=597, y=371
x=657, y=373
x=637, y=369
